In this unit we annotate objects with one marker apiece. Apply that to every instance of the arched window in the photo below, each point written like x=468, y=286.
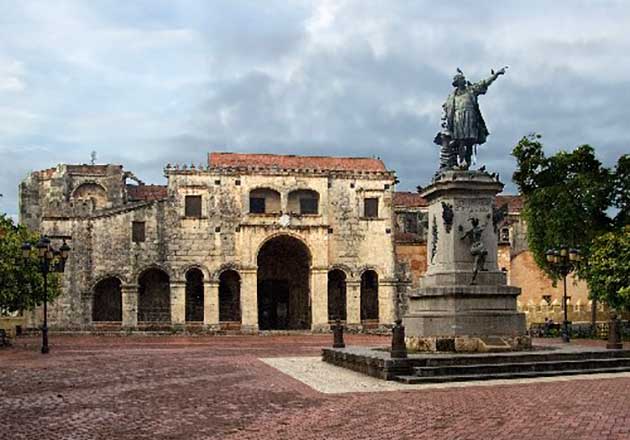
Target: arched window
x=369, y=296
x=303, y=201
x=194, y=295
x=229, y=296
x=107, y=300
x=264, y=201
x=336, y=295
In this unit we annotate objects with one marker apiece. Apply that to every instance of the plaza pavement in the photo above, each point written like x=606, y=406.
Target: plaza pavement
x=255, y=387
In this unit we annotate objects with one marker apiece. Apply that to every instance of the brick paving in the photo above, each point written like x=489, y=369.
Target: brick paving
x=216, y=387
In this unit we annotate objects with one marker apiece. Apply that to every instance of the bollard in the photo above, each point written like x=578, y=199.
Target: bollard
x=399, y=348
x=338, y=335
x=614, y=333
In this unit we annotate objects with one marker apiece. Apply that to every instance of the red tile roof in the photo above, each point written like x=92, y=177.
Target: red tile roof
x=409, y=199
x=146, y=192
x=235, y=160
x=514, y=202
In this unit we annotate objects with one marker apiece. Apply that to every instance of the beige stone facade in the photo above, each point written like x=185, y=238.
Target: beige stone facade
x=252, y=242
x=249, y=242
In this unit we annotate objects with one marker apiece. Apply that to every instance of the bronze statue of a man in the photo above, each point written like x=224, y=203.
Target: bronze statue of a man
x=463, y=126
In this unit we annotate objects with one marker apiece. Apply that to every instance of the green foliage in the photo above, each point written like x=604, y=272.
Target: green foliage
x=621, y=195
x=21, y=284
x=566, y=197
x=609, y=268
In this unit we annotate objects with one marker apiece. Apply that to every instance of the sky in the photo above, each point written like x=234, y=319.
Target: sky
x=150, y=82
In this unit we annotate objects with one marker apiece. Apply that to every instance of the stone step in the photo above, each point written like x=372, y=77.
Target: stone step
x=539, y=366
x=472, y=359
x=411, y=379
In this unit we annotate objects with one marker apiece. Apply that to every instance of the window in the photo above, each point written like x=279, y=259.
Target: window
x=257, y=205
x=504, y=237
x=547, y=298
x=193, y=206
x=370, y=207
x=137, y=232
x=308, y=205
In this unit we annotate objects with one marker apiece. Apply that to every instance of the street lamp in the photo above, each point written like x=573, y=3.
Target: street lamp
x=563, y=261
x=50, y=260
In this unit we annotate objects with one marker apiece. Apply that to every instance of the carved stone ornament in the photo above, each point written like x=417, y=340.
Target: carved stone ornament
x=284, y=220
x=447, y=216
x=434, y=239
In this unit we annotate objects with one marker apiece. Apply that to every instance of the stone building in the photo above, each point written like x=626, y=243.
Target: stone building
x=249, y=242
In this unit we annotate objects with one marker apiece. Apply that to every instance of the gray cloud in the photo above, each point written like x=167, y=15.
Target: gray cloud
x=150, y=82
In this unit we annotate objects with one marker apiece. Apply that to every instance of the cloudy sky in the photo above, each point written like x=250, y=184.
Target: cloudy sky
x=147, y=82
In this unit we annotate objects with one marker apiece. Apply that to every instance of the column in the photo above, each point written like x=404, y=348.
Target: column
x=353, y=302
x=386, y=302
x=249, y=300
x=211, y=303
x=319, y=299
x=178, y=303
x=129, y=305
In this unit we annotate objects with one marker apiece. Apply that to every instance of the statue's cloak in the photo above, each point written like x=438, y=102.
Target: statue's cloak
x=464, y=124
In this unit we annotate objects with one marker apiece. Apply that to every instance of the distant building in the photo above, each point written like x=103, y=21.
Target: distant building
x=246, y=242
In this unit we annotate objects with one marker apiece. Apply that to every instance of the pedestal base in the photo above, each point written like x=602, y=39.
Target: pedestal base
x=467, y=344
x=465, y=319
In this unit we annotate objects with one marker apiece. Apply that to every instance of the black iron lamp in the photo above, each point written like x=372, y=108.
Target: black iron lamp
x=50, y=260
x=564, y=260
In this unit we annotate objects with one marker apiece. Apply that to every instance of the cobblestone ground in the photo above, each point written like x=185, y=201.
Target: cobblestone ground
x=215, y=387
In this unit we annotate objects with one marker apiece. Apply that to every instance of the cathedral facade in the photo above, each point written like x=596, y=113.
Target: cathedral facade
x=247, y=242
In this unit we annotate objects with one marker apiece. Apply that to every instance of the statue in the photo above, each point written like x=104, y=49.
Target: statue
x=463, y=126
x=477, y=248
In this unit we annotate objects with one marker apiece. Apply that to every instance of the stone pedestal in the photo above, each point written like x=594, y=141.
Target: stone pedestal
x=451, y=311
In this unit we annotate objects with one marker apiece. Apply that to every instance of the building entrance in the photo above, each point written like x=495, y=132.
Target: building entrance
x=283, y=285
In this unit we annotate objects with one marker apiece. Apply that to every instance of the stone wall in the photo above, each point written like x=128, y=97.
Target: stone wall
x=225, y=237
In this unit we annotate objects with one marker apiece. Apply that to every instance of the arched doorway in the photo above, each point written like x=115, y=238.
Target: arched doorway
x=154, y=296
x=336, y=295
x=107, y=300
x=194, y=295
x=283, y=284
x=229, y=296
x=369, y=296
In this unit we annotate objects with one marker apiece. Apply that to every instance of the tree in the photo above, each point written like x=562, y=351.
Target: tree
x=566, y=197
x=21, y=284
x=621, y=194
x=609, y=268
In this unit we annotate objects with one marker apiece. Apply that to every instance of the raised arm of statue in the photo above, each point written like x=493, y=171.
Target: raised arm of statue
x=481, y=87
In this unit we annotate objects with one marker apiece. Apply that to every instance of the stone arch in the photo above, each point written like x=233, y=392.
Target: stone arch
x=303, y=201
x=287, y=234
x=181, y=273
x=95, y=192
x=171, y=274
x=337, y=294
x=347, y=270
x=194, y=294
x=216, y=275
x=369, y=295
x=154, y=295
x=284, y=267
x=229, y=296
x=107, y=300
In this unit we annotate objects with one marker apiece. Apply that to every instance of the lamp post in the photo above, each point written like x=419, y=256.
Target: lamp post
x=50, y=260
x=563, y=261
